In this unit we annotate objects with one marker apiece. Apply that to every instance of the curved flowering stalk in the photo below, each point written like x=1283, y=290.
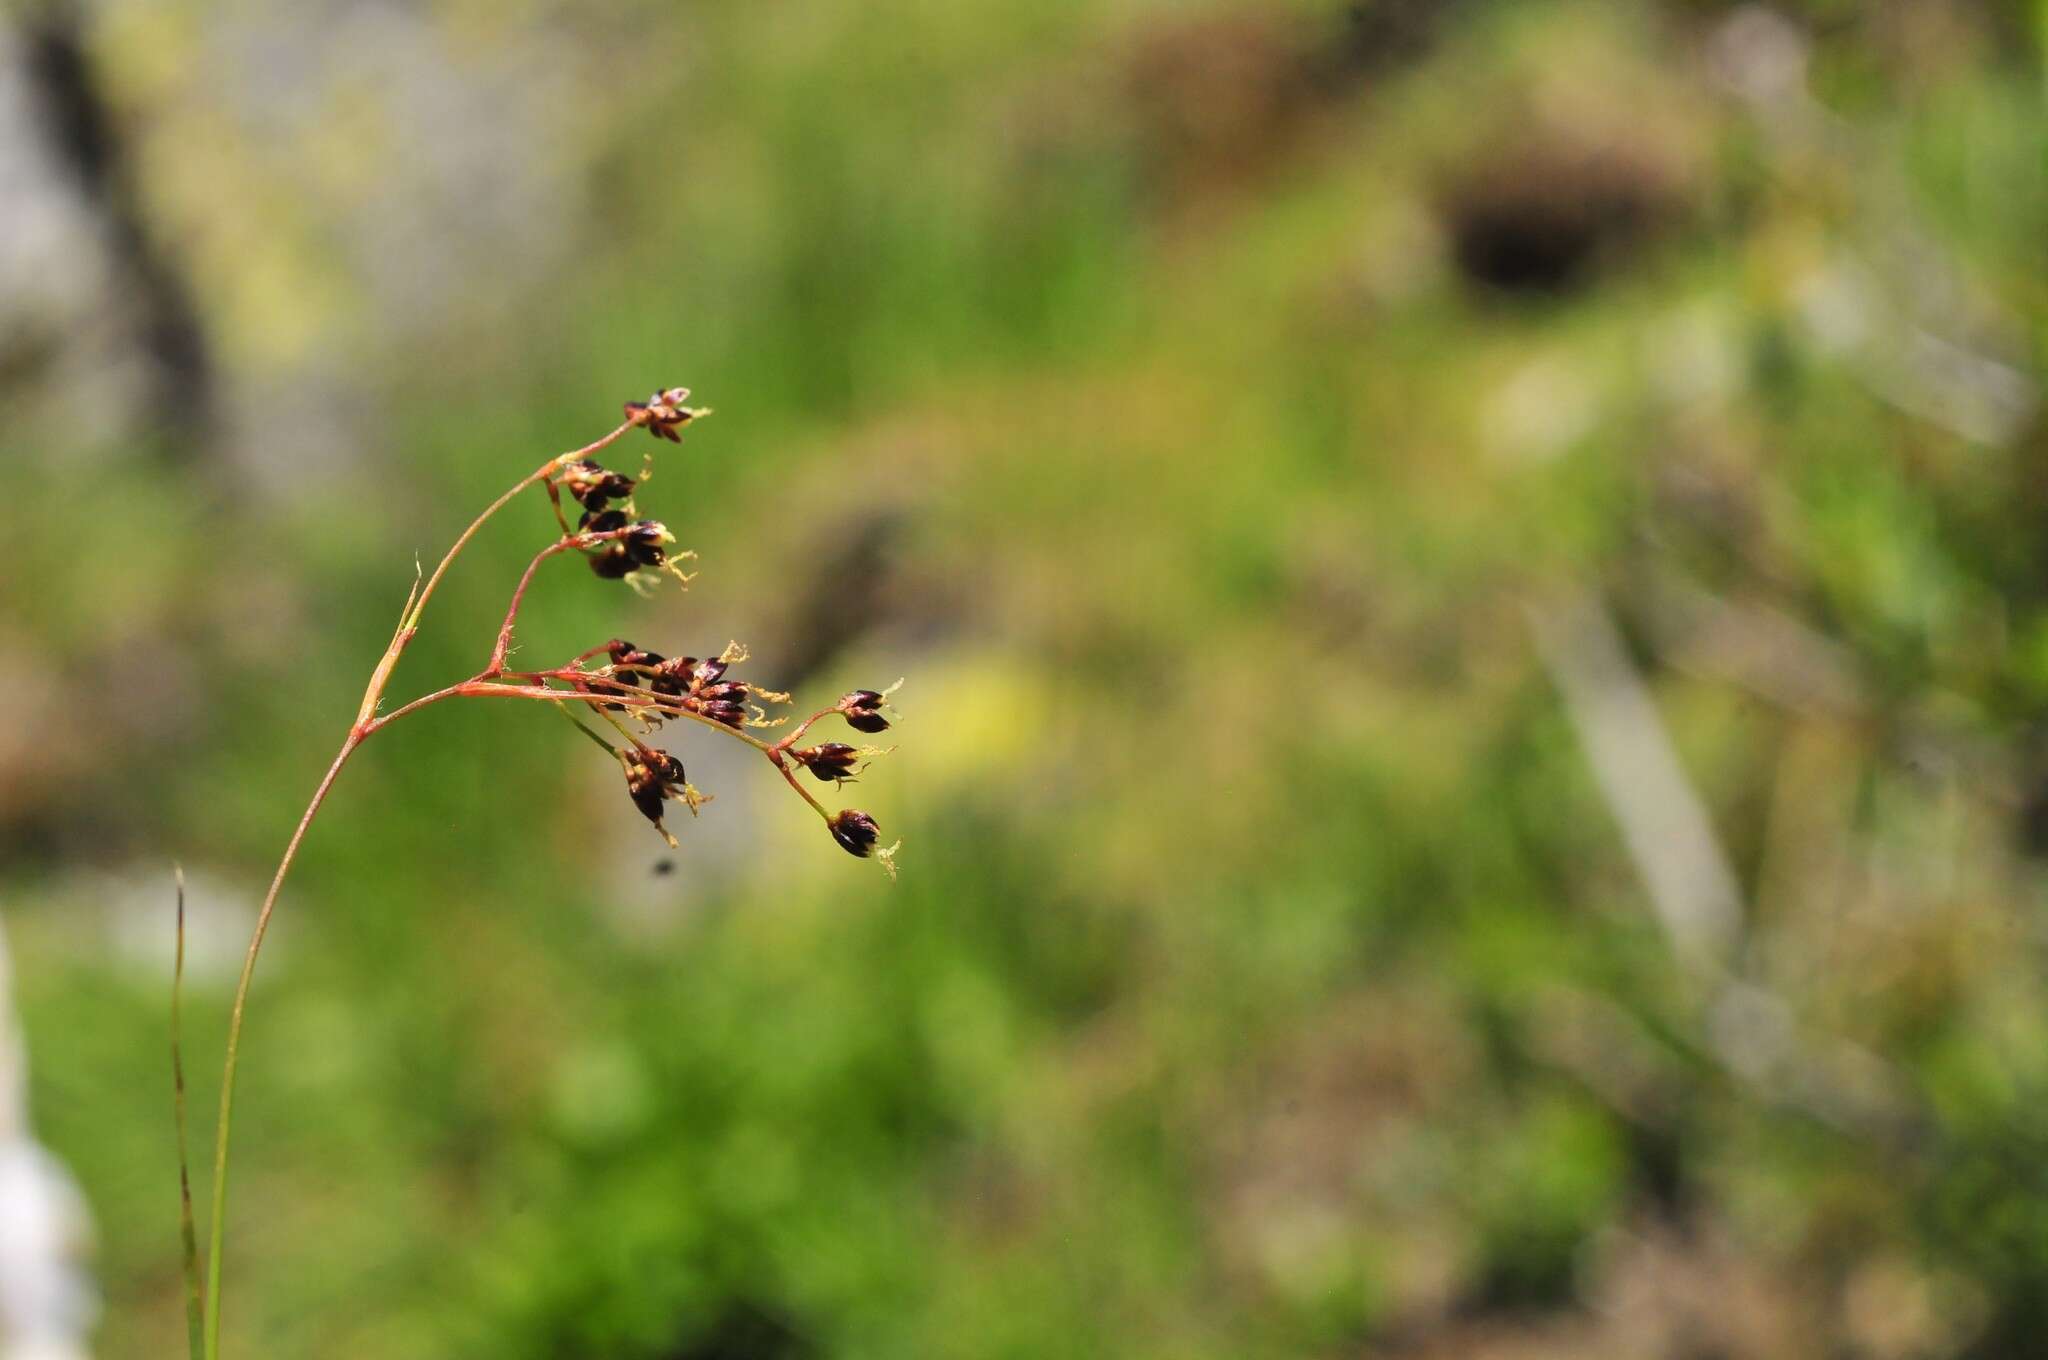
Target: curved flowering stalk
x=632, y=690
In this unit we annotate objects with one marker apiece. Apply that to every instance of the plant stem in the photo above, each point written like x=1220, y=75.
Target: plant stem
x=794, y=737
x=407, y=626
x=483, y=688
x=204, y=1315
x=504, y=643
x=195, y=1308
x=366, y=722
x=775, y=758
x=495, y=506
x=218, y=1230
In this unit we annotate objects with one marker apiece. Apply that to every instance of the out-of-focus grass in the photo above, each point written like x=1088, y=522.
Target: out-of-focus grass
x=1267, y=975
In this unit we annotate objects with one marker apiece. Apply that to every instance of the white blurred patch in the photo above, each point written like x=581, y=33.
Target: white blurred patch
x=137, y=911
x=47, y=1304
x=1543, y=408
x=1695, y=355
x=1760, y=56
x=1846, y=314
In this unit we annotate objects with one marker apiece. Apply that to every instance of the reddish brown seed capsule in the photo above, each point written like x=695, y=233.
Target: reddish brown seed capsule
x=633, y=545
x=856, y=832
x=594, y=485
x=863, y=710
x=643, y=543
x=829, y=761
x=651, y=777
x=724, y=702
x=672, y=677
x=628, y=662
x=624, y=653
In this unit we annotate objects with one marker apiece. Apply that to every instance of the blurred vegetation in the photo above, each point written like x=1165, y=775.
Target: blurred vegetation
x=1198, y=405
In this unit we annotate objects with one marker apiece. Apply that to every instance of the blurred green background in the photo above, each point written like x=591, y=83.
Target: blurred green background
x=1473, y=579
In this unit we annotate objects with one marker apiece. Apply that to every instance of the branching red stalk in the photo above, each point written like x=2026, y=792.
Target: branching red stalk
x=504, y=643
x=802, y=728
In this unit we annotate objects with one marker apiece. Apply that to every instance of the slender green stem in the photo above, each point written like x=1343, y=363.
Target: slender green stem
x=585, y=729
x=781, y=765
x=195, y=1306
x=218, y=1229
x=632, y=738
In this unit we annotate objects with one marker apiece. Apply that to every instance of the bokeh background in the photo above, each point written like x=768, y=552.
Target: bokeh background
x=1473, y=579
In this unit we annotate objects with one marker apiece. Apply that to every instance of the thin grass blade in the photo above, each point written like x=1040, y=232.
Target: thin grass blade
x=195, y=1304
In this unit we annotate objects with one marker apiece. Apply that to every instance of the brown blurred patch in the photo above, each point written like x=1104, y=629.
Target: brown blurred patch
x=1304, y=1158
x=1217, y=100
x=1543, y=210
x=1652, y=1293
x=31, y=762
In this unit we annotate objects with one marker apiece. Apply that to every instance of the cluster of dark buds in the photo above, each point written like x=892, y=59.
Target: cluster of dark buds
x=647, y=688
x=637, y=691
x=652, y=777
x=696, y=688
x=617, y=547
x=618, y=543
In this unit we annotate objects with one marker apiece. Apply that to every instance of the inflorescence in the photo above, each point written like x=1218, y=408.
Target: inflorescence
x=633, y=690
x=636, y=691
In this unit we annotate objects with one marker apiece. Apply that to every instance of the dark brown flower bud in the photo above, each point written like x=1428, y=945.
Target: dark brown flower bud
x=594, y=485
x=856, y=832
x=673, y=675
x=608, y=559
x=709, y=671
x=724, y=702
x=651, y=777
x=663, y=413
x=829, y=761
x=631, y=546
x=628, y=663
x=863, y=710
x=643, y=543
